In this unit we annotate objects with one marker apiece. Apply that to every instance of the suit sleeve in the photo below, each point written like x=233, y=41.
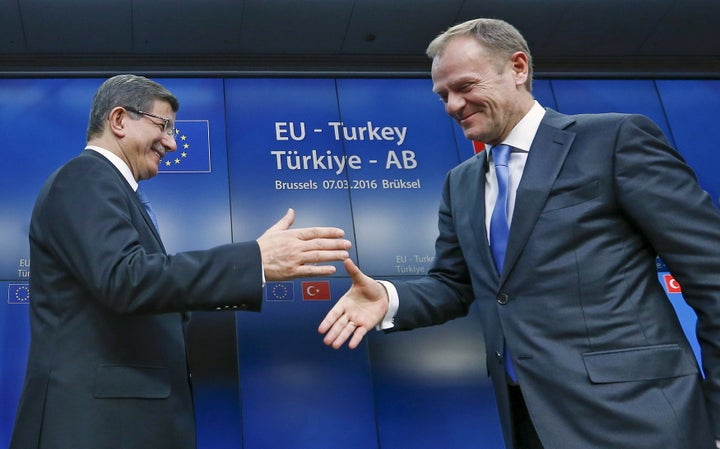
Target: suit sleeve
x=661, y=194
x=92, y=225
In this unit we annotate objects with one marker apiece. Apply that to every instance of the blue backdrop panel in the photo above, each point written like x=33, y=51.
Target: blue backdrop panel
x=597, y=96
x=15, y=340
x=693, y=108
x=251, y=148
x=192, y=202
x=191, y=197
x=431, y=386
x=396, y=192
x=283, y=153
x=42, y=124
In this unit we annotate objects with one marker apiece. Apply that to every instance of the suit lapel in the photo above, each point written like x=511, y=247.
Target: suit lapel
x=547, y=155
x=130, y=192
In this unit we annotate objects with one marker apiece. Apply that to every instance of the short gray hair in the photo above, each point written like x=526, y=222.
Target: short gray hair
x=126, y=91
x=497, y=36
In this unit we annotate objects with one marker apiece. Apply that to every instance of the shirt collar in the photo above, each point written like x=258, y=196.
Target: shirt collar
x=118, y=163
x=522, y=135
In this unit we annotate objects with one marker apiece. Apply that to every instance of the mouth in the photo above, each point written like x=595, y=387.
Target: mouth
x=464, y=119
x=160, y=153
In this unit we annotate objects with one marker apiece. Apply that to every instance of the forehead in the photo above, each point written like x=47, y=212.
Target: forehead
x=463, y=57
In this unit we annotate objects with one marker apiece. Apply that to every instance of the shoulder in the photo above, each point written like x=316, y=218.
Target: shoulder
x=86, y=176
x=595, y=120
x=86, y=168
x=471, y=165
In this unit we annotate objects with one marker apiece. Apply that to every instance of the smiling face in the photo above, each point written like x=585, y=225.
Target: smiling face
x=140, y=139
x=484, y=93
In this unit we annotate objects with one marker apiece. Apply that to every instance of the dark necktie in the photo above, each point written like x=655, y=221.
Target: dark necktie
x=499, y=228
x=146, y=202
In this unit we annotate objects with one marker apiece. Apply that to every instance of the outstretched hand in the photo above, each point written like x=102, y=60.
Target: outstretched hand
x=360, y=309
x=291, y=253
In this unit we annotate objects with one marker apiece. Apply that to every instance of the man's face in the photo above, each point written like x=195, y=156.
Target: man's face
x=481, y=93
x=148, y=141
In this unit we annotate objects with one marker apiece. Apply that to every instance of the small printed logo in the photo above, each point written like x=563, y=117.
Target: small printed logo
x=671, y=285
x=18, y=293
x=316, y=291
x=279, y=291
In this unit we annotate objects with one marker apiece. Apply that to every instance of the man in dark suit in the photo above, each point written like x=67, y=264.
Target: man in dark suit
x=107, y=365
x=583, y=347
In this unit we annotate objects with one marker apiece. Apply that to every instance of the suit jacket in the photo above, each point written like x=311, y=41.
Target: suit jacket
x=600, y=355
x=107, y=365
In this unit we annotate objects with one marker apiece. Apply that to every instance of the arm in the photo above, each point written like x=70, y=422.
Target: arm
x=662, y=196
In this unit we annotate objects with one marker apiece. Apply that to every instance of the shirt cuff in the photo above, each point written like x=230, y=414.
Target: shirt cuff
x=393, y=305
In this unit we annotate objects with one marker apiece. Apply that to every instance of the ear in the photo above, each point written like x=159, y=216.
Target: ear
x=116, y=121
x=520, y=67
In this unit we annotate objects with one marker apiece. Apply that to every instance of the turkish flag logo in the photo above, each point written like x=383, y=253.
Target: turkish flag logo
x=671, y=284
x=316, y=290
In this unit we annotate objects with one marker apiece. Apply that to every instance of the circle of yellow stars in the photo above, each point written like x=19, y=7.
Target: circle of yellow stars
x=184, y=153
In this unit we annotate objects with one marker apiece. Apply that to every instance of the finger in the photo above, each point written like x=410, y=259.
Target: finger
x=332, y=316
x=345, y=332
x=338, y=332
x=333, y=335
x=314, y=271
x=318, y=232
x=321, y=256
x=357, y=337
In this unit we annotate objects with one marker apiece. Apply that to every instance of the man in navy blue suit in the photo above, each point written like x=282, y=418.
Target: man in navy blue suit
x=583, y=347
x=108, y=366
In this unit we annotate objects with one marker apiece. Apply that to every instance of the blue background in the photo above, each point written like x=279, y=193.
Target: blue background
x=265, y=380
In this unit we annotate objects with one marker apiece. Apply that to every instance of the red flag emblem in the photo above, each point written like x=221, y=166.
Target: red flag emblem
x=671, y=285
x=316, y=291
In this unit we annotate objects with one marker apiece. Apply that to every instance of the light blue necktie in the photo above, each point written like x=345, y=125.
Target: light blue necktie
x=146, y=202
x=499, y=228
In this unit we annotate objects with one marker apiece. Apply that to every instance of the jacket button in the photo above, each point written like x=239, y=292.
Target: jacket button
x=502, y=298
x=498, y=355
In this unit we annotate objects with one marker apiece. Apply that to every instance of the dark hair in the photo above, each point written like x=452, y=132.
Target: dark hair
x=497, y=36
x=125, y=90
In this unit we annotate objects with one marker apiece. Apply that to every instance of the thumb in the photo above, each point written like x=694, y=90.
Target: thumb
x=356, y=275
x=284, y=223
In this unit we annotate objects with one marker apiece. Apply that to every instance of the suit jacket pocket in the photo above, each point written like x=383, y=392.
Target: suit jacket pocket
x=639, y=363
x=131, y=381
x=572, y=196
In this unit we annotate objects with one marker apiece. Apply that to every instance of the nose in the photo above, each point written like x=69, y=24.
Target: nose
x=454, y=104
x=169, y=143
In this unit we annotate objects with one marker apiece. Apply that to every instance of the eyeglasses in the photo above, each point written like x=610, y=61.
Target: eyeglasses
x=167, y=126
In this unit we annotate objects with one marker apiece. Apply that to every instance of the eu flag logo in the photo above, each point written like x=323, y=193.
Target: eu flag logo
x=18, y=293
x=193, y=148
x=279, y=291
